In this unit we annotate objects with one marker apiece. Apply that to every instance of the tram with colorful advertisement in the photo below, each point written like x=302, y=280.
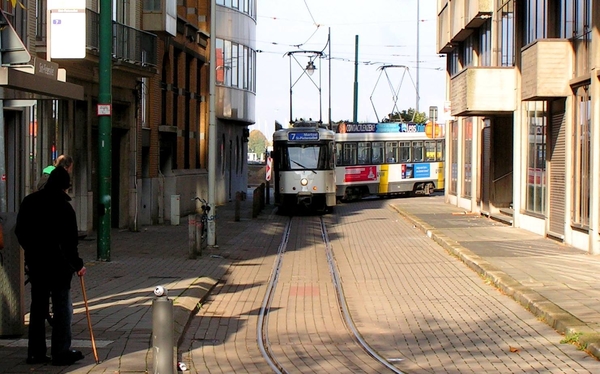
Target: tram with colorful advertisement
x=304, y=167
x=389, y=158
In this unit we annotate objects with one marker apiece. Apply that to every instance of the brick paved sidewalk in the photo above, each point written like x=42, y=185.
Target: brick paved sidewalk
x=120, y=292
x=556, y=282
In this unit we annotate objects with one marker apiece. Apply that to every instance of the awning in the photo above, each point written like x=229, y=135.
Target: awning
x=39, y=84
x=19, y=85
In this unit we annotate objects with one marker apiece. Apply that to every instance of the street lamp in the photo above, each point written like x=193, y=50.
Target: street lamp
x=307, y=71
x=310, y=68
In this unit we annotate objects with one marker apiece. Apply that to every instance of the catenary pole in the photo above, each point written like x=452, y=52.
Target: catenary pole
x=329, y=88
x=418, y=27
x=355, y=113
x=212, y=127
x=104, y=131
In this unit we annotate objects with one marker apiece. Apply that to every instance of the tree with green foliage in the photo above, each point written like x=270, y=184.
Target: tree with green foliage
x=257, y=142
x=410, y=115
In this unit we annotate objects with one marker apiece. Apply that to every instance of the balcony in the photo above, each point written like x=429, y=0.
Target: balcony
x=480, y=91
x=458, y=18
x=130, y=45
x=547, y=67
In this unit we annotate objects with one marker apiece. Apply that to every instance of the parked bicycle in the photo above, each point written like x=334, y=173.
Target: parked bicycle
x=202, y=229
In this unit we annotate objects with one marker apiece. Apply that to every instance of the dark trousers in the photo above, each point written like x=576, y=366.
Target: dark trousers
x=62, y=309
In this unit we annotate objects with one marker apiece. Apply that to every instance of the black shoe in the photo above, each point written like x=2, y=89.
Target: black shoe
x=67, y=358
x=34, y=360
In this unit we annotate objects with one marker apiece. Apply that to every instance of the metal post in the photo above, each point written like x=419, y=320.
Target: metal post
x=212, y=128
x=192, y=236
x=268, y=193
x=238, y=199
x=104, y=131
x=418, y=27
x=162, y=333
x=355, y=113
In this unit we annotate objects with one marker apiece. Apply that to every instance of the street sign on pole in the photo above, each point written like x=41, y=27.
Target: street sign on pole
x=268, y=168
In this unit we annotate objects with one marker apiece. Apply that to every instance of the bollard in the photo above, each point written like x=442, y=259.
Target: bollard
x=238, y=198
x=162, y=333
x=255, y=203
x=262, y=196
x=199, y=234
x=268, y=194
x=192, y=236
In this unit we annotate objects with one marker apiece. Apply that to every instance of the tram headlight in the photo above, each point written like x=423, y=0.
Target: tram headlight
x=304, y=181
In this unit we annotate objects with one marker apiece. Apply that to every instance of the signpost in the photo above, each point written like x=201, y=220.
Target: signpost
x=268, y=168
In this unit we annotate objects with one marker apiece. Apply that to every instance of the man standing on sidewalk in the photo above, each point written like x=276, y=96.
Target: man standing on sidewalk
x=47, y=231
x=62, y=160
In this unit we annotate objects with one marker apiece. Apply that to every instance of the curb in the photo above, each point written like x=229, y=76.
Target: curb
x=548, y=312
x=188, y=303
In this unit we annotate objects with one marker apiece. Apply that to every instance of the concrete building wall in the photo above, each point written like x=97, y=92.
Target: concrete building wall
x=545, y=70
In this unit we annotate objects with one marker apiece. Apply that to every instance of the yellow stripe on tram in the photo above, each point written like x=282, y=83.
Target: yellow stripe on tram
x=383, y=179
x=440, y=184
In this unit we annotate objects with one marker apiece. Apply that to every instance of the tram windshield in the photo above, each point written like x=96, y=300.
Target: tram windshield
x=304, y=156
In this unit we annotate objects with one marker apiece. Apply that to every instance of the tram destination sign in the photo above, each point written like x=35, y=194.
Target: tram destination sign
x=303, y=136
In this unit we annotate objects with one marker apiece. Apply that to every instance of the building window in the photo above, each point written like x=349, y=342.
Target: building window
x=454, y=157
x=506, y=34
x=582, y=158
x=467, y=156
x=485, y=44
x=535, y=25
x=536, y=156
x=246, y=6
x=227, y=60
x=467, y=55
x=453, y=63
x=582, y=36
x=235, y=65
x=220, y=57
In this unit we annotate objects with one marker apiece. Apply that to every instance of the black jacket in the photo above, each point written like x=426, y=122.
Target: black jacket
x=47, y=231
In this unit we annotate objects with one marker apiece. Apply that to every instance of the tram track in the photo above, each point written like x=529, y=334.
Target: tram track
x=265, y=345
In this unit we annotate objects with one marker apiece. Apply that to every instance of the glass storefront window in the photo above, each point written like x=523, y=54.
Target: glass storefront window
x=536, y=116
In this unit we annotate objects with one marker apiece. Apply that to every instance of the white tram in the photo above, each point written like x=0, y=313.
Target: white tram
x=304, y=167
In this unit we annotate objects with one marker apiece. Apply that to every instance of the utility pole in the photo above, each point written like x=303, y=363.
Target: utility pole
x=212, y=128
x=355, y=112
x=418, y=26
x=104, y=131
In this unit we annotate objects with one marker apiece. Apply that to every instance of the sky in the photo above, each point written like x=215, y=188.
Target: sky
x=387, y=33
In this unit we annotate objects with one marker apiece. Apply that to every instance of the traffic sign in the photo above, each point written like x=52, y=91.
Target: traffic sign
x=268, y=168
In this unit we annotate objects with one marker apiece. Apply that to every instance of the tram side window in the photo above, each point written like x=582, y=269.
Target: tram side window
x=391, y=152
x=404, y=150
x=364, y=153
x=418, y=151
x=377, y=152
x=349, y=154
x=338, y=153
x=430, y=150
x=440, y=150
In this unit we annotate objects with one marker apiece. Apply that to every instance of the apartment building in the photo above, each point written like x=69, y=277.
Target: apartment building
x=160, y=106
x=523, y=144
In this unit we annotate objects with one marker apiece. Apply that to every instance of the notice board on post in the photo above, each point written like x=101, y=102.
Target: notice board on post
x=66, y=29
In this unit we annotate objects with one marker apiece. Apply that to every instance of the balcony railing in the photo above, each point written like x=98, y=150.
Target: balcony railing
x=129, y=44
